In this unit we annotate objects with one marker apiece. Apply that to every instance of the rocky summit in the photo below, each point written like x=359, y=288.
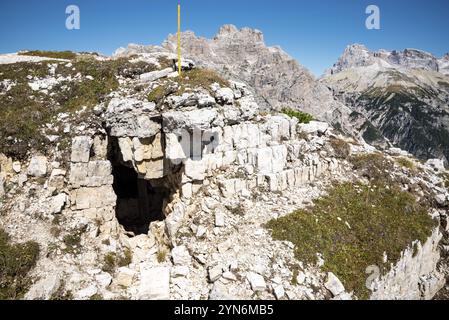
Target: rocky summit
x=121, y=180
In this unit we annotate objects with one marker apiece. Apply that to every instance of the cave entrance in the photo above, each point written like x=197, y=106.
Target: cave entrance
x=139, y=201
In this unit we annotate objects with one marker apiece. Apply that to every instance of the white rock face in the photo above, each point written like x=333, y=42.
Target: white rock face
x=225, y=96
x=127, y=117
x=314, y=127
x=181, y=256
x=44, y=288
x=155, y=284
x=38, y=166
x=357, y=55
x=256, y=281
x=81, y=149
x=2, y=187
x=215, y=273
x=436, y=164
x=57, y=203
x=86, y=293
x=125, y=277
x=334, y=285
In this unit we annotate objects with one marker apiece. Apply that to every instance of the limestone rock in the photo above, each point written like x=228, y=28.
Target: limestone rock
x=81, y=149
x=215, y=273
x=225, y=96
x=16, y=166
x=155, y=75
x=256, y=281
x=334, y=285
x=279, y=292
x=436, y=164
x=86, y=293
x=2, y=187
x=181, y=256
x=127, y=117
x=44, y=288
x=219, y=219
x=155, y=284
x=38, y=166
x=314, y=127
x=125, y=277
x=57, y=203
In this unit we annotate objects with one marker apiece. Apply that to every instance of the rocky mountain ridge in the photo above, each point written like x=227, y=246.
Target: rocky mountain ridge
x=358, y=55
x=159, y=187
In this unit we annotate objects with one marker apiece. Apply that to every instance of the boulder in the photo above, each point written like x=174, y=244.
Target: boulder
x=180, y=271
x=436, y=164
x=200, y=119
x=155, y=75
x=57, y=203
x=442, y=200
x=279, y=292
x=215, y=273
x=181, y=256
x=127, y=117
x=16, y=166
x=224, y=96
x=314, y=127
x=334, y=285
x=81, y=149
x=256, y=281
x=154, y=284
x=125, y=277
x=38, y=166
x=87, y=292
x=219, y=219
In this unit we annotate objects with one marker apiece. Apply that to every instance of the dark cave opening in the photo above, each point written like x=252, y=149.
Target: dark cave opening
x=139, y=202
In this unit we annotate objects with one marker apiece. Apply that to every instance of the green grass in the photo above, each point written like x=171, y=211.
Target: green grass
x=162, y=255
x=193, y=79
x=341, y=148
x=301, y=116
x=72, y=243
x=16, y=261
x=381, y=220
x=24, y=112
x=373, y=166
x=112, y=261
x=69, y=55
x=406, y=163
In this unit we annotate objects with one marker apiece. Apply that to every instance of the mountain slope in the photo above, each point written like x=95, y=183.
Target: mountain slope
x=403, y=95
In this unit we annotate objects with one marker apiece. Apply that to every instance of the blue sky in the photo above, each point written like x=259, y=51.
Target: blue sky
x=313, y=31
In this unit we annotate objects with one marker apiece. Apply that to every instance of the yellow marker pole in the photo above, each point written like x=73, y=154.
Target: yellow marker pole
x=179, y=40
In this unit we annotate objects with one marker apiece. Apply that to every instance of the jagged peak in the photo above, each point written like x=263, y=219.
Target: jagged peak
x=230, y=30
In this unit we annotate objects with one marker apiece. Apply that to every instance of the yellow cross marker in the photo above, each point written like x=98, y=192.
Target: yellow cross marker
x=179, y=40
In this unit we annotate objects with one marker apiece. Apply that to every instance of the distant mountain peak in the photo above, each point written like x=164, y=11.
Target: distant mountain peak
x=358, y=55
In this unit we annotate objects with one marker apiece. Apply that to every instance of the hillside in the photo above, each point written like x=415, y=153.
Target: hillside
x=121, y=180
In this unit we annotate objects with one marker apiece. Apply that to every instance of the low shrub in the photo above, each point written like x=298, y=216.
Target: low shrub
x=16, y=261
x=352, y=226
x=301, y=116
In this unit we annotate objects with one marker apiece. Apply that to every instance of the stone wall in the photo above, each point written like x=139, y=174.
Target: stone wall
x=90, y=183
